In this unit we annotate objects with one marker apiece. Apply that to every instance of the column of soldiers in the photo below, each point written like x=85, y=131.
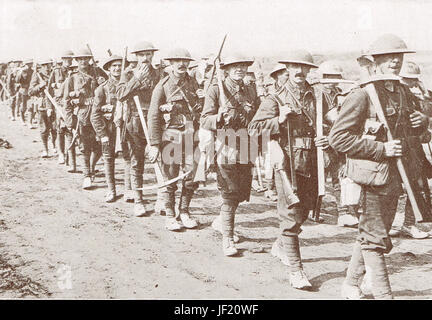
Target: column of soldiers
x=157, y=111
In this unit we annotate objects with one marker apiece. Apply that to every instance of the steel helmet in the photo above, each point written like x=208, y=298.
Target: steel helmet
x=329, y=68
x=111, y=59
x=276, y=68
x=179, y=54
x=83, y=53
x=410, y=70
x=299, y=57
x=67, y=54
x=144, y=46
x=388, y=43
x=46, y=61
x=236, y=59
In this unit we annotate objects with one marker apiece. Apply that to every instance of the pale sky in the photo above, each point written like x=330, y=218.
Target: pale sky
x=44, y=28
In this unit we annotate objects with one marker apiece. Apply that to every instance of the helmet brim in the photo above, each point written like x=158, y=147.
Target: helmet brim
x=248, y=62
x=299, y=62
x=409, y=76
x=179, y=58
x=153, y=50
x=390, y=51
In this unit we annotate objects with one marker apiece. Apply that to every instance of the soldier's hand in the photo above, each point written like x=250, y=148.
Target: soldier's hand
x=322, y=142
x=142, y=71
x=284, y=111
x=153, y=153
x=393, y=148
x=418, y=119
x=200, y=93
x=42, y=84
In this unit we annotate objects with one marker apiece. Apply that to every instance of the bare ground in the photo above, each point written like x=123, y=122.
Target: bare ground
x=48, y=225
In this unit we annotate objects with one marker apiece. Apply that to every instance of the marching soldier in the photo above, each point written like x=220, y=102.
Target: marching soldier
x=235, y=177
x=356, y=117
x=410, y=74
x=102, y=120
x=288, y=115
x=141, y=84
x=23, y=78
x=11, y=85
x=331, y=73
x=78, y=93
x=173, y=118
x=47, y=116
x=56, y=87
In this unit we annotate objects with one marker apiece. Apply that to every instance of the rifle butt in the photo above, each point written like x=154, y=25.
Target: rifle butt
x=290, y=196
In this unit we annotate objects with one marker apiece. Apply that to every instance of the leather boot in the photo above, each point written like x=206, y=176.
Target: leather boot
x=375, y=264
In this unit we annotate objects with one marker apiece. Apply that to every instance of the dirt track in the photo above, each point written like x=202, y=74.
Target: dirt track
x=48, y=225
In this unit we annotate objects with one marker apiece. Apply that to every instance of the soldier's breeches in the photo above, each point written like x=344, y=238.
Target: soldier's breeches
x=291, y=219
x=376, y=221
x=137, y=144
x=89, y=143
x=234, y=181
x=227, y=214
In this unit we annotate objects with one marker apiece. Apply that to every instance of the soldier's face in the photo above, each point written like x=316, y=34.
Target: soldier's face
x=237, y=71
x=297, y=72
x=115, y=68
x=67, y=62
x=44, y=68
x=282, y=76
x=144, y=57
x=389, y=63
x=179, y=66
x=83, y=62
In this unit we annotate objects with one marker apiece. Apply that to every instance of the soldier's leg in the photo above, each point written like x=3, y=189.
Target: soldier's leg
x=374, y=225
x=108, y=152
x=53, y=131
x=71, y=151
x=12, y=104
x=44, y=132
x=126, y=152
x=60, y=140
x=170, y=171
x=86, y=140
x=96, y=153
x=287, y=247
x=187, y=192
x=137, y=144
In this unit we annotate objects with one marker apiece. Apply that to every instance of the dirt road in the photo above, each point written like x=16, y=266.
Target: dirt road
x=58, y=241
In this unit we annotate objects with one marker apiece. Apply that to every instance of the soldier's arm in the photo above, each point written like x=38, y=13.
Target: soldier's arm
x=128, y=89
x=346, y=133
x=266, y=118
x=68, y=107
x=210, y=110
x=154, y=118
x=96, y=116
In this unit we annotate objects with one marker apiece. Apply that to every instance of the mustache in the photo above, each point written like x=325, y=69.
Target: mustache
x=300, y=74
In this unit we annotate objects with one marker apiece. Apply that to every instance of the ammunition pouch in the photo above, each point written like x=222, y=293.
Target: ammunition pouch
x=367, y=172
x=302, y=155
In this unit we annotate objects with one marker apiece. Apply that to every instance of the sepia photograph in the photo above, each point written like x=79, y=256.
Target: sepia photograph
x=237, y=151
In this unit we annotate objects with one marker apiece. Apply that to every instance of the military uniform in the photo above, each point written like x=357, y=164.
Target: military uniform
x=23, y=78
x=46, y=112
x=11, y=87
x=233, y=178
x=56, y=87
x=134, y=135
x=79, y=93
x=173, y=118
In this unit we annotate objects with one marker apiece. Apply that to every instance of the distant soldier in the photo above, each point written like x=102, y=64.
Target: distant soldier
x=78, y=93
x=410, y=74
x=288, y=115
x=47, y=116
x=11, y=86
x=102, y=120
x=330, y=74
x=234, y=178
x=56, y=87
x=141, y=84
x=23, y=77
x=358, y=133
x=174, y=117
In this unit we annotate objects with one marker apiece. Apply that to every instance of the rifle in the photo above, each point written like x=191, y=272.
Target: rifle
x=109, y=52
x=120, y=132
x=320, y=158
x=290, y=188
x=93, y=62
x=415, y=199
x=201, y=172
